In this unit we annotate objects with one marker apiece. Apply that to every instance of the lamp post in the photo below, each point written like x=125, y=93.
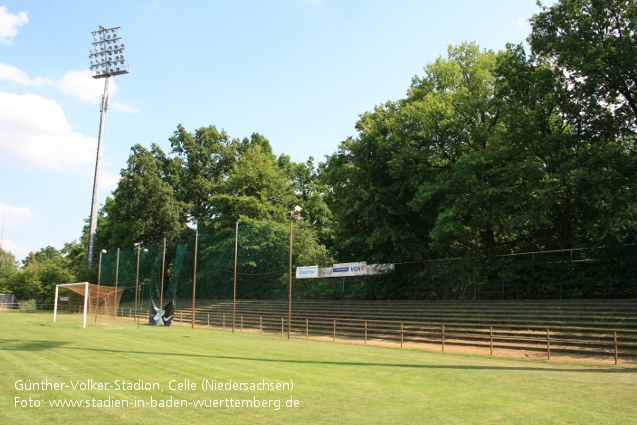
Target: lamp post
x=295, y=214
x=107, y=60
x=138, y=246
x=99, y=275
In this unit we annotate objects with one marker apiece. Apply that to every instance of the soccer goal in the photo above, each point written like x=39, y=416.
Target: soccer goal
x=86, y=298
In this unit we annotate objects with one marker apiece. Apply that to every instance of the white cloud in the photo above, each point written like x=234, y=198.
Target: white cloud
x=18, y=251
x=81, y=85
x=108, y=181
x=11, y=73
x=124, y=108
x=9, y=24
x=34, y=131
x=12, y=216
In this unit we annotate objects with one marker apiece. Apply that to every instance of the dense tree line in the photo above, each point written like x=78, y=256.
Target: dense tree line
x=490, y=153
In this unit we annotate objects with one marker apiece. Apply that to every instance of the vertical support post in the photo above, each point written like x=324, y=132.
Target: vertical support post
x=334, y=333
x=116, y=283
x=86, y=295
x=548, y=344
x=234, y=287
x=242, y=323
x=260, y=324
x=224, y=320
x=208, y=323
x=443, y=337
x=139, y=249
x=194, y=281
x=290, y=285
x=491, y=341
x=55, y=303
x=163, y=267
x=616, y=348
x=99, y=277
x=96, y=179
x=402, y=332
x=366, y=332
x=307, y=327
x=282, y=327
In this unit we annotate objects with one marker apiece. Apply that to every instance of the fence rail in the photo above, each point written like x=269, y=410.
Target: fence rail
x=578, y=341
x=565, y=340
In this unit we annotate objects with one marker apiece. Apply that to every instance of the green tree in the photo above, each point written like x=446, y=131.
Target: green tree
x=41, y=272
x=143, y=206
x=254, y=188
x=594, y=42
x=310, y=191
x=203, y=161
x=8, y=267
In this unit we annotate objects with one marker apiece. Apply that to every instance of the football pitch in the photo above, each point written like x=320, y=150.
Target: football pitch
x=114, y=373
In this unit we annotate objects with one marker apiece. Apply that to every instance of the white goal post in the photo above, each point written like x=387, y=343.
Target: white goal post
x=85, y=293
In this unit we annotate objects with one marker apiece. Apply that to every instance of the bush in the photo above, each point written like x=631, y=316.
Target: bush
x=27, y=305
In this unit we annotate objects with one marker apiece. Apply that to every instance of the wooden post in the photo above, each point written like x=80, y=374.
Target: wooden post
x=163, y=266
x=491, y=341
x=401, y=335
x=366, y=332
x=242, y=323
x=116, y=283
x=290, y=284
x=234, y=285
x=307, y=327
x=194, y=281
x=208, y=320
x=548, y=344
x=334, y=334
x=443, y=337
x=616, y=351
x=260, y=324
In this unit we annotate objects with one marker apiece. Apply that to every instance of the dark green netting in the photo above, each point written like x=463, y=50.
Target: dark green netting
x=262, y=279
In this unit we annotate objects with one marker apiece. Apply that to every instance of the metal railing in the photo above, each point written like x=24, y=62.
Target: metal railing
x=565, y=340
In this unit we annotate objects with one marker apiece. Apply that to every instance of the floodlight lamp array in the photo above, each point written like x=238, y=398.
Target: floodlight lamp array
x=107, y=56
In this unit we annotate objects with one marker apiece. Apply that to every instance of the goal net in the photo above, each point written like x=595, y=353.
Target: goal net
x=86, y=298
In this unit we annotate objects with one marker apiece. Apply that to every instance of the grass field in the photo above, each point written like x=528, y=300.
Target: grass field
x=332, y=382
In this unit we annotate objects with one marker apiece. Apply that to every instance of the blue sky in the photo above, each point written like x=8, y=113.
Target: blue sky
x=297, y=71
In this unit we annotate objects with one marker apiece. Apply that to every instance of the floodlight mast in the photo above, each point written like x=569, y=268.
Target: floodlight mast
x=107, y=60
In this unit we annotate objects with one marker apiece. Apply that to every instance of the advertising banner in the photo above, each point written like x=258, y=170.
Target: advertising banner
x=307, y=272
x=349, y=269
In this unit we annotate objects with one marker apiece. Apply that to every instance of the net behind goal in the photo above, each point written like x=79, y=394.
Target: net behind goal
x=86, y=298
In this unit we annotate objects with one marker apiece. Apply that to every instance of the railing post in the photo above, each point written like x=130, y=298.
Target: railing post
x=307, y=327
x=260, y=324
x=491, y=341
x=548, y=344
x=224, y=320
x=242, y=323
x=401, y=335
x=443, y=337
x=282, y=326
x=334, y=332
x=616, y=351
x=208, y=325
x=366, y=332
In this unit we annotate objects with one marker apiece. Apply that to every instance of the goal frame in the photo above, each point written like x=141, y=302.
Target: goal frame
x=86, y=294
